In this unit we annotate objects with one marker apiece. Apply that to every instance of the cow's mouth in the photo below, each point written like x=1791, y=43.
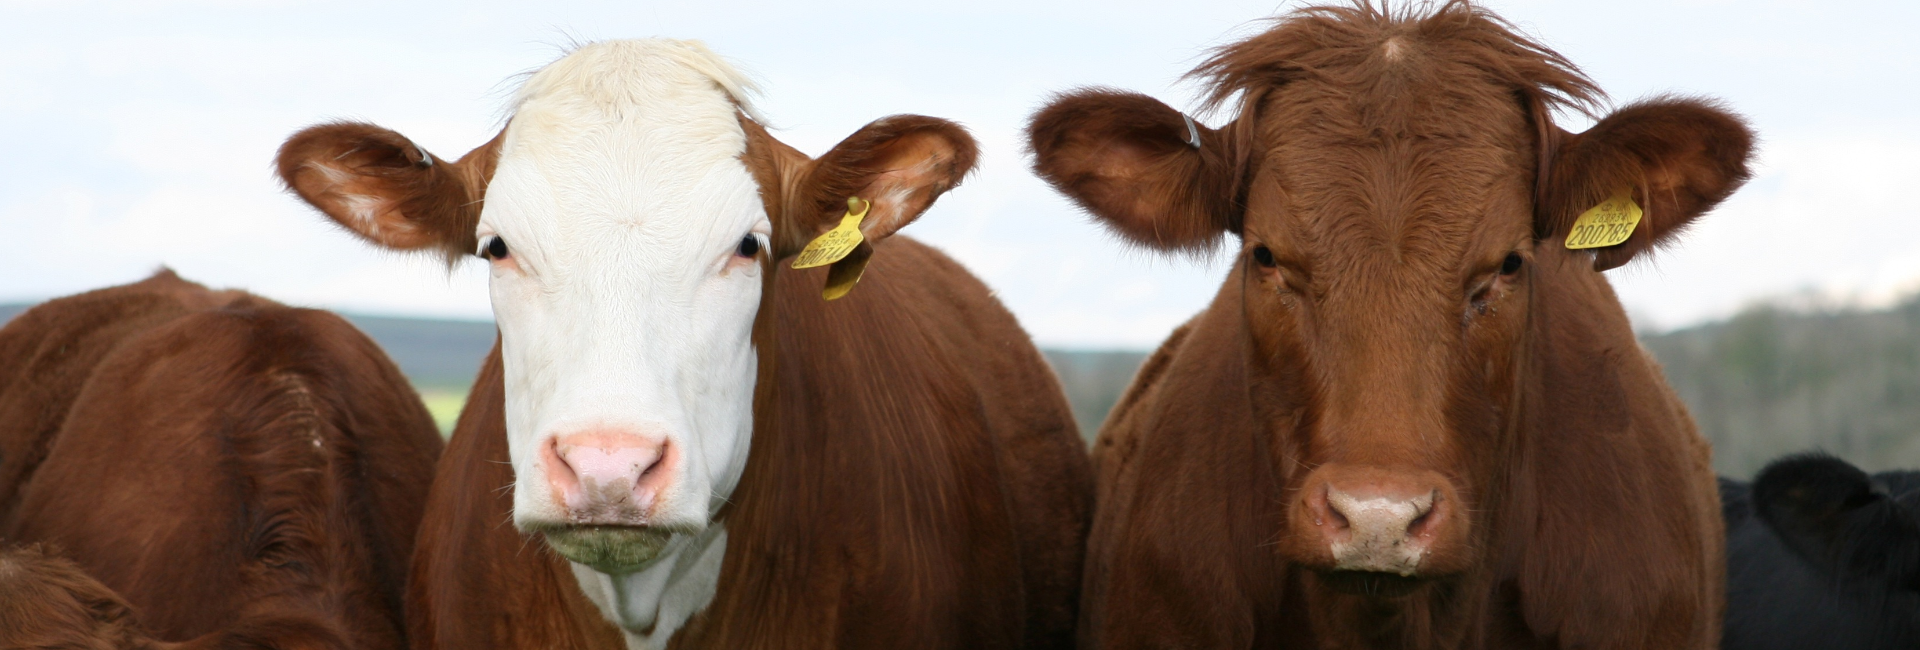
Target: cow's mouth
x=1373, y=584
x=609, y=549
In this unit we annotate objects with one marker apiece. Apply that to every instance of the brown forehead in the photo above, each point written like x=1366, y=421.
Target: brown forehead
x=1408, y=168
x=1394, y=137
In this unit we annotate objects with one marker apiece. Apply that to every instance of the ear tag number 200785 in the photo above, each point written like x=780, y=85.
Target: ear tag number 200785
x=1607, y=224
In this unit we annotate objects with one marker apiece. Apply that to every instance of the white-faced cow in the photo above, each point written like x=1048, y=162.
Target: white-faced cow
x=727, y=459
x=1415, y=415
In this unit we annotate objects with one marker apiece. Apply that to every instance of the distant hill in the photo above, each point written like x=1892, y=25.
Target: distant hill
x=1774, y=380
x=436, y=354
x=1767, y=382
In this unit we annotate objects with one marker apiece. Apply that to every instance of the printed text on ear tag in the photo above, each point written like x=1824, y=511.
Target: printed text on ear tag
x=834, y=244
x=1606, y=224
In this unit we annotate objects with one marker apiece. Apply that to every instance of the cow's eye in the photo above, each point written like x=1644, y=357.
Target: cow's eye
x=1511, y=265
x=749, y=246
x=1263, y=255
x=495, y=249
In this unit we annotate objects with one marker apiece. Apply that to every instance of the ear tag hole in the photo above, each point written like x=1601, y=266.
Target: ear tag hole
x=1607, y=224
x=835, y=244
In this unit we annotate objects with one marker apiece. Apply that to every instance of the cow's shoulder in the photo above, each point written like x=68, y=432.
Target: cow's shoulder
x=1615, y=512
x=1119, y=436
x=1185, y=488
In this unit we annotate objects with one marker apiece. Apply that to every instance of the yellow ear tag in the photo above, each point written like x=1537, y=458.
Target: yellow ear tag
x=834, y=244
x=845, y=273
x=1606, y=224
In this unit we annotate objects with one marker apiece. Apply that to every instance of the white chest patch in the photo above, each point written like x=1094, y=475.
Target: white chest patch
x=652, y=604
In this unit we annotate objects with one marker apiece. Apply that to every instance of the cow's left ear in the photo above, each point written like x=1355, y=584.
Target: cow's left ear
x=898, y=165
x=1678, y=157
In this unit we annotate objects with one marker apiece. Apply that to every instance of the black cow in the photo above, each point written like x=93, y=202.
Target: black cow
x=1822, y=555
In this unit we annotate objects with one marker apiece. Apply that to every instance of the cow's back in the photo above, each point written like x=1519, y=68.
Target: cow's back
x=216, y=459
x=50, y=351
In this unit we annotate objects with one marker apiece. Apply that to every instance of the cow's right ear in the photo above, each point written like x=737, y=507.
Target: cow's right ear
x=1147, y=171
x=381, y=186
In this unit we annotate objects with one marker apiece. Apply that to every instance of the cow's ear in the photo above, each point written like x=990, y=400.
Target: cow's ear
x=1147, y=171
x=1677, y=157
x=1833, y=514
x=381, y=186
x=896, y=165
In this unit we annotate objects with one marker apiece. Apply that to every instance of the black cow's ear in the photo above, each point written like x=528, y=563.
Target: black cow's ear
x=1833, y=514
x=1675, y=157
x=1150, y=173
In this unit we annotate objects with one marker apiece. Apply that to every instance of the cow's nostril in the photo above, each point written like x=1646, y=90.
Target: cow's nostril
x=1427, y=510
x=609, y=477
x=654, y=468
x=1413, y=528
x=1338, y=518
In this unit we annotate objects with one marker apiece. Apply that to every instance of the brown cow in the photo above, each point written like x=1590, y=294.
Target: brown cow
x=915, y=478
x=1412, y=417
x=237, y=472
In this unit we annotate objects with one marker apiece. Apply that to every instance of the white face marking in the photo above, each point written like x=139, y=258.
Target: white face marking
x=623, y=308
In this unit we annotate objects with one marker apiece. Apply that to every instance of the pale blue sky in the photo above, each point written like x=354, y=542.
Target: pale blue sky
x=138, y=134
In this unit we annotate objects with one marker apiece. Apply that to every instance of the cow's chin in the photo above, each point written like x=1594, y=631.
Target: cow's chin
x=1371, y=584
x=609, y=549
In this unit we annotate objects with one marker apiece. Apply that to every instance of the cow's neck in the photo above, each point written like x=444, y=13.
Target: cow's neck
x=653, y=604
x=1438, y=616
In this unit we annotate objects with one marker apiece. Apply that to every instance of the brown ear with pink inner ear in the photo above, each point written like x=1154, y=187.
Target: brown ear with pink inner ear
x=388, y=190
x=898, y=166
x=1147, y=171
x=1678, y=157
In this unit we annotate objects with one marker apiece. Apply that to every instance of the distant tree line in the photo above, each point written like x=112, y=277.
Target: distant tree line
x=1774, y=380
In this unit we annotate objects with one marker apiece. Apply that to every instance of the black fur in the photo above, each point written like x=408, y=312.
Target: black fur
x=1822, y=555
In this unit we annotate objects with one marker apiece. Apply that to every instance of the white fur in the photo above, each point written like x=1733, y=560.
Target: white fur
x=661, y=597
x=621, y=195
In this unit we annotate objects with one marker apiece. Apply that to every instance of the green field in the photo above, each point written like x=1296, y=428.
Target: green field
x=445, y=404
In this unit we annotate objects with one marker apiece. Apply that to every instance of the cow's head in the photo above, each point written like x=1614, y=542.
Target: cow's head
x=1399, y=195
x=1860, y=532
x=632, y=213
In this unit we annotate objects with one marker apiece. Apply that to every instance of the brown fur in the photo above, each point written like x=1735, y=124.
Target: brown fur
x=915, y=478
x=477, y=582
x=48, y=602
x=238, y=473
x=1388, y=165
x=917, y=489
x=438, y=202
